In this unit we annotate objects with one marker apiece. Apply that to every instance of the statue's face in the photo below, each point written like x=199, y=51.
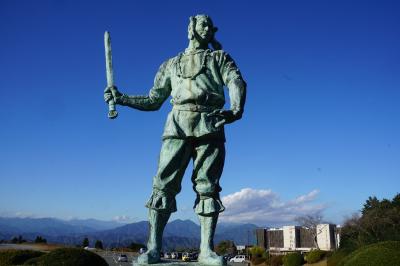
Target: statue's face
x=204, y=29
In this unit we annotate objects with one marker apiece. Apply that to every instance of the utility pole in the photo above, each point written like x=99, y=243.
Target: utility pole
x=247, y=249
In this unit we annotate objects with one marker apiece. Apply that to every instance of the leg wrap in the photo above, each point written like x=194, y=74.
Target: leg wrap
x=208, y=205
x=161, y=201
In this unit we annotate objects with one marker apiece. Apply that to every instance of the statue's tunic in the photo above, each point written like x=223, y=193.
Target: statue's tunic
x=195, y=80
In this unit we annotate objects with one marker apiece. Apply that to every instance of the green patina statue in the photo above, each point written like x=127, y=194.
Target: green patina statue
x=194, y=130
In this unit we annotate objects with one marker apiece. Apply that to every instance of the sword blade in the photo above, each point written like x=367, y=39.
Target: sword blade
x=109, y=67
x=112, y=113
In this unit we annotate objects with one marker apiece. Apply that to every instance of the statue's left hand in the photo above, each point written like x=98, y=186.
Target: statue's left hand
x=225, y=116
x=112, y=93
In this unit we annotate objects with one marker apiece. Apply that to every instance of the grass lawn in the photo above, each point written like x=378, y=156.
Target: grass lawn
x=40, y=246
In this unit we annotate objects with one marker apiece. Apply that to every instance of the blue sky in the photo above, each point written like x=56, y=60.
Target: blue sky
x=319, y=133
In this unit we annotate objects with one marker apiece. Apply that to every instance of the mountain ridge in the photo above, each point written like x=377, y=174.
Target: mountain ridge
x=177, y=234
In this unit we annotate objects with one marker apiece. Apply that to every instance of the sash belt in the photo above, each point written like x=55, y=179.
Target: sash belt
x=195, y=107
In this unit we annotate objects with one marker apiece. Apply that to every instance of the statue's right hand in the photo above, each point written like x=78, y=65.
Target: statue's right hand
x=111, y=93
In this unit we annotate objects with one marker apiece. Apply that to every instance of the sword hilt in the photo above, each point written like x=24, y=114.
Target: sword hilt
x=112, y=112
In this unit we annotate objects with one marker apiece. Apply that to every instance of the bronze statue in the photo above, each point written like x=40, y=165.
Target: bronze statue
x=194, y=129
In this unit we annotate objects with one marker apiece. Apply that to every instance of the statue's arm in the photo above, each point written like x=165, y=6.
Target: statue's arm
x=237, y=87
x=160, y=91
x=151, y=102
x=237, y=95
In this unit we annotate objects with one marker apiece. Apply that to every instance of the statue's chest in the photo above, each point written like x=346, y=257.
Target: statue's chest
x=189, y=66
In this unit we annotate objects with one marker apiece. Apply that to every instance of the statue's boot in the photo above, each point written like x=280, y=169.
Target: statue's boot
x=157, y=221
x=207, y=256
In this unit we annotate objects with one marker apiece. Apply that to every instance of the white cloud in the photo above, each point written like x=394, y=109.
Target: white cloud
x=264, y=207
x=122, y=219
x=24, y=215
x=18, y=214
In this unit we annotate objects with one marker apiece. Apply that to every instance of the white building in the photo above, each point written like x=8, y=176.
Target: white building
x=298, y=238
x=326, y=236
x=289, y=237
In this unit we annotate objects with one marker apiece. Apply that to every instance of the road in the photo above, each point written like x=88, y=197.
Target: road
x=111, y=258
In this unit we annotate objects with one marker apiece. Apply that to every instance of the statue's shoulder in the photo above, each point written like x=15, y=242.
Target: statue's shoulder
x=168, y=64
x=174, y=59
x=219, y=54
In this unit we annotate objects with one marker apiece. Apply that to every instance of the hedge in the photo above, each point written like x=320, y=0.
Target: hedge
x=17, y=257
x=315, y=255
x=378, y=254
x=293, y=259
x=337, y=257
x=72, y=257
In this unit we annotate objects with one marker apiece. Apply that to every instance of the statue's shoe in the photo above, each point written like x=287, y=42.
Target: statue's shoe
x=150, y=257
x=212, y=259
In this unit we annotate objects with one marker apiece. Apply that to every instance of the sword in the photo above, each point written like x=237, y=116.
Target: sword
x=112, y=113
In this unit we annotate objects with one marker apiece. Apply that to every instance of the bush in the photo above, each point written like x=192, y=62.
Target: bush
x=17, y=257
x=337, y=257
x=72, y=257
x=382, y=253
x=293, y=259
x=315, y=255
x=226, y=247
x=276, y=260
x=258, y=255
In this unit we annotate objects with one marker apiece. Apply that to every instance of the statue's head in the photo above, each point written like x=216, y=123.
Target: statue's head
x=202, y=29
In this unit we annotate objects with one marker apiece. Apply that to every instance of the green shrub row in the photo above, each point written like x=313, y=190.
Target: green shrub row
x=72, y=257
x=337, y=257
x=62, y=256
x=290, y=259
x=17, y=257
x=378, y=254
x=315, y=255
x=382, y=253
x=293, y=259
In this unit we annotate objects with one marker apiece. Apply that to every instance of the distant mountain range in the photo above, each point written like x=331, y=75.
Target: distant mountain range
x=52, y=226
x=177, y=234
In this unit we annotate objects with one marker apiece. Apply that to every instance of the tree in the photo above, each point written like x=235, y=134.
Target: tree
x=379, y=221
x=350, y=231
x=18, y=240
x=311, y=221
x=98, y=244
x=258, y=255
x=226, y=247
x=40, y=239
x=136, y=246
x=85, y=242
